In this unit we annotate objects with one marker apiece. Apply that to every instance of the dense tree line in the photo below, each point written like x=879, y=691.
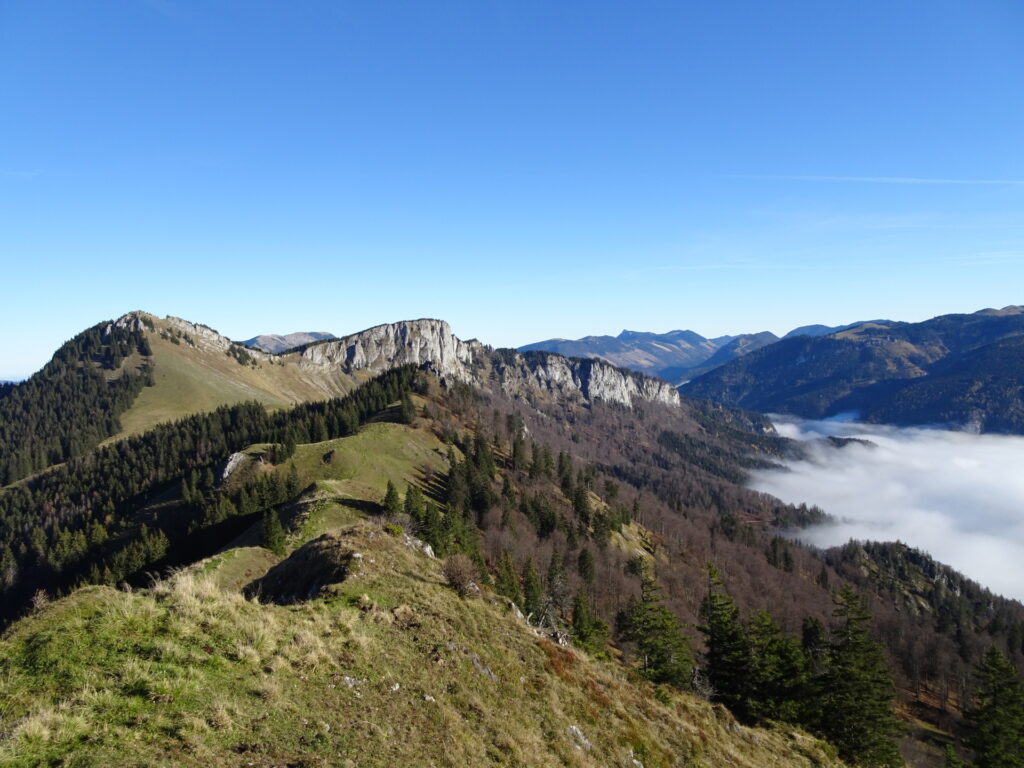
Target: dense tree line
x=73, y=403
x=967, y=614
x=837, y=686
x=77, y=523
x=996, y=720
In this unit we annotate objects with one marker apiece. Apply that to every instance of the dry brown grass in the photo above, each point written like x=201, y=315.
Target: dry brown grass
x=186, y=672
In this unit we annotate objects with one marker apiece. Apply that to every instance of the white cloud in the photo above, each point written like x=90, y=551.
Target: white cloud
x=957, y=496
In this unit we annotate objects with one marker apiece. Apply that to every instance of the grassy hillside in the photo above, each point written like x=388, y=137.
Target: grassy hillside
x=388, y=667
x=193, y=374
x=384, y=666
x=359, y=467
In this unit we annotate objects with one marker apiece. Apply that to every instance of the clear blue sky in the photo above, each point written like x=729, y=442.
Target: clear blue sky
x=522, y=169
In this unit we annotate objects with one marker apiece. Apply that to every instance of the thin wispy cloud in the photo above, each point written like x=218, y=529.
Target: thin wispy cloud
x=955, y=495
x=19, y=173
x=883, y=180
x=702, y=266
x=989, y=257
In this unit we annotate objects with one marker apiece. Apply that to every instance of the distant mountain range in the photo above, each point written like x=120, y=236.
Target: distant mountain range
x=274, y=344
x=675, y=356
x=670, y=356
x=958, y=370
x=825, y=330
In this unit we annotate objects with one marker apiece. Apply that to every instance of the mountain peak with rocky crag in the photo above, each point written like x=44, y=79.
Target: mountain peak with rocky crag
x=275, y=344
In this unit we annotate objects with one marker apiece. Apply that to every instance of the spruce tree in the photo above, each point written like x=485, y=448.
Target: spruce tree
x=855, y=703
x=406, y=410
x=997, y=719
x=291, y=487
x=727, y=662
x=536, y=461
x=662, y=647
x=273, y=532
x=581, y=504
x=392, y=502
x=778, y=671
x=415, y=503
x=585, y=566
x=533, y=592
x=588, y=631
x=952, y=759
x=507, y=581
x=518, y=452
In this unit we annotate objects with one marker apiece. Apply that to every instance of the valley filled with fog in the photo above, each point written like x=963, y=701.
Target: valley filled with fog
x=957, y=496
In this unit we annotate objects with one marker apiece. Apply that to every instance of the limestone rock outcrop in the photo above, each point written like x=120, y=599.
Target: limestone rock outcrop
x=428, y=343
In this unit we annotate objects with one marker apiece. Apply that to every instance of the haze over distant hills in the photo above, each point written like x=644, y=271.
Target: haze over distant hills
x=670, y=356
x=825, y=330
x=961, y=370
x=674, y=356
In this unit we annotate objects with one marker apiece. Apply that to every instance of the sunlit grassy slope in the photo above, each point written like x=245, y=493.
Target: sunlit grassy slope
x=386, y=666
x=198, y=377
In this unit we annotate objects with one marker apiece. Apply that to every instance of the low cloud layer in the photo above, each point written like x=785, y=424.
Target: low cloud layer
x=957, y=496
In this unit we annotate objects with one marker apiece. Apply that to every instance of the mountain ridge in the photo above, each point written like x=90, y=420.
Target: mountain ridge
x=185, y=368
x=958, y=369
x=274, y=343
x=675, y=355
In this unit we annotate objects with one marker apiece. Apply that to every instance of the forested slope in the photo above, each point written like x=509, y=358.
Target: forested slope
x=955, y=369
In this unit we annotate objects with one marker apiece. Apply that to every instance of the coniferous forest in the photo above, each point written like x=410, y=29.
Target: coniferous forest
x=75, y=524
x=73, y=403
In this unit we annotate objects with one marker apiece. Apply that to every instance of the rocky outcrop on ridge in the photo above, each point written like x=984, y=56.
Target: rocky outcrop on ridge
x=430, y=344
x=275, y=344
x=427, y=343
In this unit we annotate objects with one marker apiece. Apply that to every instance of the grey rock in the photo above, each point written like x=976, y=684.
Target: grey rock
x=275, y=344
x=235, y=460
x=419, y=342
x=580, y=740
x=432, y=345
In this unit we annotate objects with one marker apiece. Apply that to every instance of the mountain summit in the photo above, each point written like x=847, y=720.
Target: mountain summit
x=276, y=344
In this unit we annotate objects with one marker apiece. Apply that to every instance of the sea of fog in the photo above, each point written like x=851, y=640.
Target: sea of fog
x=957, y=496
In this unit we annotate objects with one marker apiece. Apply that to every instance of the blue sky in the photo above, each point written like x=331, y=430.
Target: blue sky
x=522, y=169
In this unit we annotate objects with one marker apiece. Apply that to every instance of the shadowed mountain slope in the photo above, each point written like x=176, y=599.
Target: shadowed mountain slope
x=962, y=370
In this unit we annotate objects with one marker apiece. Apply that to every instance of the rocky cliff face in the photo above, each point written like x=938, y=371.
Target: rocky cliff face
x=580, y=379
x=432, y=344
x=194, y=334
x=428, y=343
